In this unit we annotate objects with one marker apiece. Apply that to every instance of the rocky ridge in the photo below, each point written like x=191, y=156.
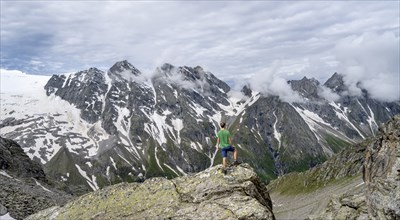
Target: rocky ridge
x=206, y=195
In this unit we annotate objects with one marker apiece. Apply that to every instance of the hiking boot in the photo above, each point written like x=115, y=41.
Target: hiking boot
x=224, y=171
x=235, y=163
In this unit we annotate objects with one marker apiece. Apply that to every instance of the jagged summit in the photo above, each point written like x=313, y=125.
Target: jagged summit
x=183, y=72
x=123, y=70
x=336, y=83
x=167, y=67
x=308, y=88
x=206, y=195
x=90, y=75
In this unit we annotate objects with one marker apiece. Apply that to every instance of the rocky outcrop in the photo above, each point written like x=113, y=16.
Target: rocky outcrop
x=24, y=186
x=207, y=195
x=380, y=194
x=382, y=173
x=347, y=206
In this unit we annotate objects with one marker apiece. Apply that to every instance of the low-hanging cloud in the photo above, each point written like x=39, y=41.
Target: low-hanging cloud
x=176, y=77
x=327, y=94
x=270, y=83
x=371, y=61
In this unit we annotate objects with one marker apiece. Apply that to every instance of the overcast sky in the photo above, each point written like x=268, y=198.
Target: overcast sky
x=233, y=40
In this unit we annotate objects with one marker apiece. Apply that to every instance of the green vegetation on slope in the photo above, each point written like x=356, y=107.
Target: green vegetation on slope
x=341, y=167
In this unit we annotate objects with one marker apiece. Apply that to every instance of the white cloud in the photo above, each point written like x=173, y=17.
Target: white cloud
x=270, y=83
x=371, y=61
x=327, y=94
x=233, y=40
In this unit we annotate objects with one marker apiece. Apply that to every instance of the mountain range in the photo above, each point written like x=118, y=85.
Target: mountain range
x=93, y=128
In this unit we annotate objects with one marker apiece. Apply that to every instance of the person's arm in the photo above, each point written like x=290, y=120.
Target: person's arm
x=217, y=141
x=230, y=141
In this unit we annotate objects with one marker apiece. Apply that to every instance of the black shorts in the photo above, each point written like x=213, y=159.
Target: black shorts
x=225, y=150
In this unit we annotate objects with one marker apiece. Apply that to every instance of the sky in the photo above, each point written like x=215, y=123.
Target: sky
x=263, y=42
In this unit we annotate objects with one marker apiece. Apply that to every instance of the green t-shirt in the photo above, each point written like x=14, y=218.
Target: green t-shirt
x=224, y=136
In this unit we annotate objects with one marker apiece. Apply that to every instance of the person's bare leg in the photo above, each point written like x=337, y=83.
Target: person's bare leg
x=235, y=154
x=223, y=162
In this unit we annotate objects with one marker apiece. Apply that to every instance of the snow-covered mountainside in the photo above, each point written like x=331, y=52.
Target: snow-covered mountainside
x=95, y=128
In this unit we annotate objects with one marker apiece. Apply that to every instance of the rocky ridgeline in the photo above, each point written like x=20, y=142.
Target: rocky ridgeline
x=206, y=195
x=23, y=183
x=380, y=198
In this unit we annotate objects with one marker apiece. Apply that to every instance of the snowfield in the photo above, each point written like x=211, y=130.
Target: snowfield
x=24, y=98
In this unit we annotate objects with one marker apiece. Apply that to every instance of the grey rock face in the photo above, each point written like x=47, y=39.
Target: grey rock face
x=123, y=71
x=382, y=173
x=336, y=83
x=3, y=210
x=308, y=88
x=348, y=206
x=246, y=91
x=207, y=195
x=83, y=89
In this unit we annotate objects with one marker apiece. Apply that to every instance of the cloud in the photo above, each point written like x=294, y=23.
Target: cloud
x=371, y=61
x=327, y=93
x=233, y=40
x=270, y=83
x=176, y=76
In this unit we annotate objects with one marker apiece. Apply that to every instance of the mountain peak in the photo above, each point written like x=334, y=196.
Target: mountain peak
x=123, y=70
x=336, y=83
x=167, y=67
x=90, y=75
x=307, y=87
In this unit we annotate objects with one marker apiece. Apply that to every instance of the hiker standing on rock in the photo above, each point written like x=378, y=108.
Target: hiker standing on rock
x=225, y=143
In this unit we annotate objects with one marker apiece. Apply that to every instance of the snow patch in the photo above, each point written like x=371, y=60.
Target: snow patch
x=44, y=188
x=171, y=169
x=108, y=171
x=341, y=114
x=180, y=170
x=113, y=163
x=91, y=181
x=277, y=135
x=371, y=121
x=4, y=173
x=6, y=217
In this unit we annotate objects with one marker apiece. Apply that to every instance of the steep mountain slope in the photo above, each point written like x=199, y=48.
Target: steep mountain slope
x=95, y=128
x=25, y=189
x=297, y=136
